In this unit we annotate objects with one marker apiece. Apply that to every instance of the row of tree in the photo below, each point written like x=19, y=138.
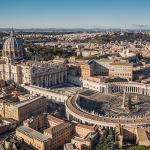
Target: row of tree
x=131, y=37
x=139, y=147
x=49, y=52
x=107, y=143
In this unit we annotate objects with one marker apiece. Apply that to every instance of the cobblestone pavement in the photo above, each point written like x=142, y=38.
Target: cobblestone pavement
x=111, y=104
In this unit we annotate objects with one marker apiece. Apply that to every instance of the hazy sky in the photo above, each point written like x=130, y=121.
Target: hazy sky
x=75, y=14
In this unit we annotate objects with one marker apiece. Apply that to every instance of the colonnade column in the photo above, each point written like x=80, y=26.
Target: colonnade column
x=65, y=76
x=62, y=77
x=55, y=78
x=42, y=81
x=31, y=81
x=140, y=90
x=49, y=80
x=59, y=77
x=45, y=81
x=37, y=81
x=105, y=89
x=145, y=91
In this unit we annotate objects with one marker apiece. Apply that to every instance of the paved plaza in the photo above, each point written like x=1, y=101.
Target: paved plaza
x=106, y=104
x=111, y=104
x=66, y=88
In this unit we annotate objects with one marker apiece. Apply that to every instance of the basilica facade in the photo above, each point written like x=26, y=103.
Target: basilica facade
x=16, y=68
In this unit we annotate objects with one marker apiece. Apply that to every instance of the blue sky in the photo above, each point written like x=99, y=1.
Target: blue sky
x=75, y=14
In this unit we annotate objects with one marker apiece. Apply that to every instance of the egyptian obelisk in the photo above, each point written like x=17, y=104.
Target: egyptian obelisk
x=123, y=99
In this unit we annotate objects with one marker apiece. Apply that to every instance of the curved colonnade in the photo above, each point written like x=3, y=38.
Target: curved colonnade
x=129, y=87
x=75, y=112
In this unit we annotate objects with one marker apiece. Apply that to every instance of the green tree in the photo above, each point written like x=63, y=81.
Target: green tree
x=129, y=101
x=10, y=147
x=110, y=144
x=101, y=144
x=79, y=56
x=111, y=132
x=139, y=147
x=89, y=148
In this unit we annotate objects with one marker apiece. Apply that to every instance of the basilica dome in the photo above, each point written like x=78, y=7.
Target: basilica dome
x=13, y=46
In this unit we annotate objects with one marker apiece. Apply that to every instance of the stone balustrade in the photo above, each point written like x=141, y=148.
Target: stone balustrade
x=75, y=112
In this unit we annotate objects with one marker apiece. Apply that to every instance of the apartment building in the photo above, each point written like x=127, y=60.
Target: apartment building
x=102, y=66
x=52, y=121
x=34, y=138
x=87, y=70
x=82, y=130
x=138, y=135
x=84, y=136
x=22, y=107
x=36, y=122
x=60, y=134
x=121, y=69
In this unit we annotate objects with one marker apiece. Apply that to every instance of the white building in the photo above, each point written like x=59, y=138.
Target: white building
x=15, y=68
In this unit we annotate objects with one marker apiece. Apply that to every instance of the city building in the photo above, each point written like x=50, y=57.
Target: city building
x=36, y=122
x=22, y=107
x=52, y=121
x=34, y=138
x=15, y=68
x=130, y=133
x=43, y=131
x=102, y=66
x=82, y=130
x=7, y=124
x=60, y=134
x=84, y=136
x=121, y=69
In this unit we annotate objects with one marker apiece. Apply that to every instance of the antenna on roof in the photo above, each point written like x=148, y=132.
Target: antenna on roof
x=125, y=27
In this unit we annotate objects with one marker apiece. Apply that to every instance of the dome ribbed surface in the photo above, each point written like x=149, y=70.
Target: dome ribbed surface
x=13, y=43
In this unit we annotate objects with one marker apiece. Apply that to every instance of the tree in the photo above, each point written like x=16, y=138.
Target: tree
x=129, y=101
x=89, y=148
x=110, y=144
x=111, y=132
x=10, y=146
x=79, y=56
x=101, y=144
x=139, y=147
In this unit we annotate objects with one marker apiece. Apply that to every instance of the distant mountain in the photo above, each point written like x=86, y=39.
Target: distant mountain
x=74, y=29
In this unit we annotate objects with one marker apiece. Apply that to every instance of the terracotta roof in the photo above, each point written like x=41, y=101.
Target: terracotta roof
x=6, y=103
x=8, y=88
x=119, y=63
x=58, y=127
x=142, y=135
x=103, y=59
x=2, y=62
x=55, y=119
x=9, y=119
x=92, y=128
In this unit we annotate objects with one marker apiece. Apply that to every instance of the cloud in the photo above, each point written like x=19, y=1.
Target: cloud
x=141, y=25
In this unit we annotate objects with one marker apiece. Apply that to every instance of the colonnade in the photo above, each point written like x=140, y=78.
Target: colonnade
x=131, y=88
x=73, y=113
x=138, y=88
x=15, y=54
x=48, y=80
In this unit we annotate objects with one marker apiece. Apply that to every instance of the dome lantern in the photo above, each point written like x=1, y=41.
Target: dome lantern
x=12, y=34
